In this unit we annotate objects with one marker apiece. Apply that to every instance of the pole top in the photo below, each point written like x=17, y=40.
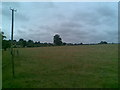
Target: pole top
x=13, y=9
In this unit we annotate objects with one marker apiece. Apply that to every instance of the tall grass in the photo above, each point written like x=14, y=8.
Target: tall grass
x=85, y=66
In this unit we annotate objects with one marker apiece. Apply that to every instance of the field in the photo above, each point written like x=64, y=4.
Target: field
x=85, y=66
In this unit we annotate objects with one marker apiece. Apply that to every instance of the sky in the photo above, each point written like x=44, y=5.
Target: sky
x=75, y=22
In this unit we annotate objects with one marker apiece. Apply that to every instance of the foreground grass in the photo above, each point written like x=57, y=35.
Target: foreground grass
x=86, y=66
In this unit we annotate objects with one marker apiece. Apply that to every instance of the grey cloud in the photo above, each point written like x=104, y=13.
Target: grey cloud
x=23, y=26
x=21, y=17
x=6, y=7
x=21, y=31
x=59, y=16
x=43, y=5
x=104, y=34
x=88, y=18
x=70, y=31
x=112, y=33
x=96, y=16
x=43, y=37
x=7, y=13
x=77, y=31
x=10, y=4
x=71, y=24
x=105, y=11
x=44, y=28
x=82, y=26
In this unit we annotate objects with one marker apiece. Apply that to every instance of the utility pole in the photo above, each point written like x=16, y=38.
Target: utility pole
x=12, y=55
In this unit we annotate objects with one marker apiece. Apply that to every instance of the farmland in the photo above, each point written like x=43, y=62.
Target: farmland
x=84, y=66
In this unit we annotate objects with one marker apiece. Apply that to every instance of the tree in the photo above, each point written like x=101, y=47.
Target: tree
x=64, y=43
x=103, y=42
x=2, y=35
x=57, y=40
x=81, y=43
x=5, y=43
x=20, y=42
x=30, y=43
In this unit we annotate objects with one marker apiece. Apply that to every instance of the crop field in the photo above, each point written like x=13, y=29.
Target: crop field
x=84, y=66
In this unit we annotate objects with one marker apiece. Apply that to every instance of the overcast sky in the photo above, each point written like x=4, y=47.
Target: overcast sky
x=75, y=22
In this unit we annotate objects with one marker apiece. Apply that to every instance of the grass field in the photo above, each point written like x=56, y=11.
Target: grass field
x=85, y=66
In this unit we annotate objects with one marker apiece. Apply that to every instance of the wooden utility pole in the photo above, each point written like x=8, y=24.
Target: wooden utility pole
x=12, y=55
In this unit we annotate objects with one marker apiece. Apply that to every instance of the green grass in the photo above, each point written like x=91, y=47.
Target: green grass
x=86, y=66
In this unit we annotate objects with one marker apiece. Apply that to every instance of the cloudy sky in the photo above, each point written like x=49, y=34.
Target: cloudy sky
x=75, y=22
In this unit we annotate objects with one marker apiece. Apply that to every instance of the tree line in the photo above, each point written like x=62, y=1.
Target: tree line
x=57, y=41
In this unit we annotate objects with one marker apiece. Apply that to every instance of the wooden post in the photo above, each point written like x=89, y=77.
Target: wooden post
x=12, y=55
